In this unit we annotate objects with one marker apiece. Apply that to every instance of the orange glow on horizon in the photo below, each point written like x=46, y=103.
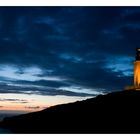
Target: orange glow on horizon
x=19, y=108
x=32, y=102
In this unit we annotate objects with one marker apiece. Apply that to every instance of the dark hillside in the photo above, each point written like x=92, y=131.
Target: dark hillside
x=117, y=112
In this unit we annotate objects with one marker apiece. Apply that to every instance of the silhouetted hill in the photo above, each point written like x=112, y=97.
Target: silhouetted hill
x=116, y=112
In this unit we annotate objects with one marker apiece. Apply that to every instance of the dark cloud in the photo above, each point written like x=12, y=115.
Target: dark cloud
x=41, y=90
x=32, y=107
x=21, y=101
x=12, y=100
x=82, y=46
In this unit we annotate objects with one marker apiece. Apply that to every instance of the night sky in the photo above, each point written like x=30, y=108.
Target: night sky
x=69, y=52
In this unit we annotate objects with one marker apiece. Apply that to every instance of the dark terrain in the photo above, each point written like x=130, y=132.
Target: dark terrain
x=117, y=112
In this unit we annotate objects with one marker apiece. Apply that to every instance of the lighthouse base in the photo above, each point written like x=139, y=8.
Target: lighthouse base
x=132, y=87
x=128, y=87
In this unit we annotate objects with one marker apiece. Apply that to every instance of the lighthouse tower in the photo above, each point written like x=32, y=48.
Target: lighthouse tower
x=137, y=70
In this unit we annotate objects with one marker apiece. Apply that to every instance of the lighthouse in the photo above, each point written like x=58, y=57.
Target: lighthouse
x=137, y=70
x=136, y=85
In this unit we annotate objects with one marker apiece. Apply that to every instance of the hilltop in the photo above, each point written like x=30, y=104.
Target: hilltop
x=116, y=112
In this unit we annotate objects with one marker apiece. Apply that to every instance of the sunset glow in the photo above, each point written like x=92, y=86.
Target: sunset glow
x=29, y=103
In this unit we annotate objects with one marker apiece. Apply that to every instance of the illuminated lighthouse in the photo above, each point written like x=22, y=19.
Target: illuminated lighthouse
x=136, y=85
x=137, y=70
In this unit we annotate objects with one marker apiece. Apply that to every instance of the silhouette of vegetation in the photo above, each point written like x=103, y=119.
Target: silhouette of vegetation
x=116, y=112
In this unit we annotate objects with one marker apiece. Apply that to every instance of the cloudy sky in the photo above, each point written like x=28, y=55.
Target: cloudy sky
x=65, y=53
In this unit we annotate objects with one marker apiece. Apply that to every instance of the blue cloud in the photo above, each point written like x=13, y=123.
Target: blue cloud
x=62, y=48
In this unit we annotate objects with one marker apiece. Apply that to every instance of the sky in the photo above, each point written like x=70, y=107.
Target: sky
x=55, y=55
